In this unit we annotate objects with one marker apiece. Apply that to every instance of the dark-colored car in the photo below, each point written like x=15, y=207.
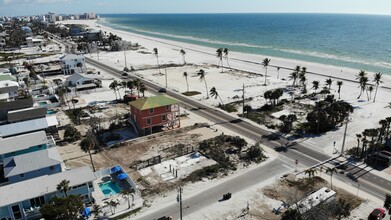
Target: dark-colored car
x=124, y=74
x=162, y=90
x=377, y=214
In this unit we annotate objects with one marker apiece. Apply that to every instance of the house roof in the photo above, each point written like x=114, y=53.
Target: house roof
x=77, y=76
x=43, y=185
x=31, y=161
x=18, y=104
x=26, y=114
x=153, y=102
x=5, y=77
x=27, y=126
x=71, y=56
x=21, y=142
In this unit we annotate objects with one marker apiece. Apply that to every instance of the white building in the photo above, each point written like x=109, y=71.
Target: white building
x=34, y=42
x=80, y=82
x=72, y=63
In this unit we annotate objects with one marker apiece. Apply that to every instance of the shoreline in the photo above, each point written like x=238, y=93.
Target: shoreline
x=246, y=59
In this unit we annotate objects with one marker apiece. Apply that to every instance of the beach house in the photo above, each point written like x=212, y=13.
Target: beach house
x=8, y=88
x=72, y=63
x=155, y=112
x=80, y=82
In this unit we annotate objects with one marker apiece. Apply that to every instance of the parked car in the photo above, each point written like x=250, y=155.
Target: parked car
x=162, y=90
x=124, y=74
x=377, y=214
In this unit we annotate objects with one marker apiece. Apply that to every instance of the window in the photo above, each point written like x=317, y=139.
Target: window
x=21, y=175
x=168, y=107
x=16, y=211
x=163, y=117
x=90, y=185
x=37, y=202
x=151, y=110
x=148, y=121
x=51, y=167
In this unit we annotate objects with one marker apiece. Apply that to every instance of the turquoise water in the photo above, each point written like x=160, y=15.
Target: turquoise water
x=51, y=112
x=356, y=41
x=110, y=188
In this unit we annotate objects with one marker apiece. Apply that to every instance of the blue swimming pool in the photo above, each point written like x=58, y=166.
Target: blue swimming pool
x=110, y=188
x=50, y=112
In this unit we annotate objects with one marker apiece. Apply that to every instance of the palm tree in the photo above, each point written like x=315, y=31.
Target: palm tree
x=363, y=85
x=359, y=136
x=130, y=85
x=370, y=90
x=339, y=84
x=142, y=89
x=215, y=94
x=377, y=81
x=127, y=194
x=201, y=74
x=80, y=65
x=97, y=210
x=361, y=80
x=311, y=172
x=89, y=143
x=265, y=64
x=187, y=83
x=113, y=205
x=331, y=171
x=315, y=85
x=219, y=54
x=295, y=74
x=226, y=56
x=183, y=53
x=278, y=72
x=64, y=187
x=113, y=85
x=156, y=53
x=329, y=81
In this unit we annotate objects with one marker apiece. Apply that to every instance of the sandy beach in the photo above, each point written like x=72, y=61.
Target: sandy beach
x=228, y=84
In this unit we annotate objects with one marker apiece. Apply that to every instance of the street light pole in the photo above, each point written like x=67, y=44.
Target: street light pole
x=125, y=57
x=344, y=135
x=165, y=73
x=180, y=202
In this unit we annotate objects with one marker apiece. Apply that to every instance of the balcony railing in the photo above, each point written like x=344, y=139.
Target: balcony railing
x=51, y=142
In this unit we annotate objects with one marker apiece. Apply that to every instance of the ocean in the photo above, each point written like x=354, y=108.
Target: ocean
x=347, y=40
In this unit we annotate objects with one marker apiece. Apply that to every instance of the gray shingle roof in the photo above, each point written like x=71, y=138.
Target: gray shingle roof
x=27, y=126
x=43, y=185
x=21, y=142
x=26, y=114
x=32, y=161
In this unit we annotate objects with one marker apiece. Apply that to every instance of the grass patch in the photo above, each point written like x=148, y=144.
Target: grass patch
x=228, y=107
x=209, y=172
x=191, y=93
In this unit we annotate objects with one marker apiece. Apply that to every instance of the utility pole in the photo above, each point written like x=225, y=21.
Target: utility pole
x=344, y=135
x=243, y=102
x=180, y=202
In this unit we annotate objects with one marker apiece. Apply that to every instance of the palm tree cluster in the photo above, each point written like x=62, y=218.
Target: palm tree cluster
x=372, y=140
x=222, y=53
x=326, y=115
x=131, y=84
x=273, y=95
x=364, y=87
x=287, y=121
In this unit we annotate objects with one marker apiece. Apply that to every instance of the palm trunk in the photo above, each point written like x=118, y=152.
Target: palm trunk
x=187, y=83
x=228, y=63
x=265, y=76
x=206, y=86
x=92, y=162
x=374, y=98
x=222, y=66
x=221, y=101
x=361, y=90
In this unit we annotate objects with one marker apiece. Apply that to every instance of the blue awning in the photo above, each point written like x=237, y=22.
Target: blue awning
x=122, y=176
x=115, y=169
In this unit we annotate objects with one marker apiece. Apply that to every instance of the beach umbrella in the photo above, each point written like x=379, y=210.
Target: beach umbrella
x=115, y=169
x=86, y=212
x=122, y=176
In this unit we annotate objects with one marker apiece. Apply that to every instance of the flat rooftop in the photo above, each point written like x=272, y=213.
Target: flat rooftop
x=21, y=142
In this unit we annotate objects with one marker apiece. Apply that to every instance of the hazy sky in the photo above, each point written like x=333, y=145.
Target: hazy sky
x=33, y=7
